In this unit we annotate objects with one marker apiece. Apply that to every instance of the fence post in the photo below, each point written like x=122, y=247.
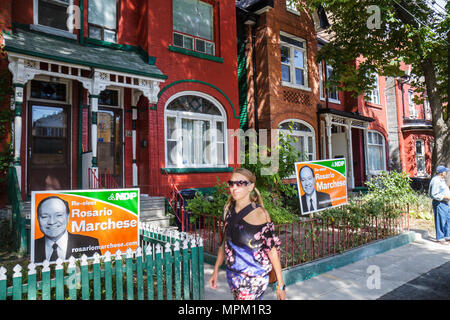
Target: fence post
x=119, y=274
x=177, y=270
x=195, y=269
x=159, y=284
x=129, y=273
x=149, y=262
x=17, y=283
x=59, y=277
x=201, y=269
x=46, y=280
x=72, y=280
x=108, y=275
x=31, y=282
x=84, y=278
x=186, y=279
x=168, y=269
x=139, y=274
x=3, y=283
x=97, y=277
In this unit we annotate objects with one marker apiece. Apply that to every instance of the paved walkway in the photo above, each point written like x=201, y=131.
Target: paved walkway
x=367, y=279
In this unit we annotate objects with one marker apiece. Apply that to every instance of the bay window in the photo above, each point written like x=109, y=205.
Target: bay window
x=293, y=62
x=193, y=25
x=195, y=133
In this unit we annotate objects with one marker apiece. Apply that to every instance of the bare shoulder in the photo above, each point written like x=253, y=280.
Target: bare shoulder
x=261, y=215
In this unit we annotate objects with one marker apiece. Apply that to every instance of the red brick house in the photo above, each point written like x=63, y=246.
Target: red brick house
x=143, y=91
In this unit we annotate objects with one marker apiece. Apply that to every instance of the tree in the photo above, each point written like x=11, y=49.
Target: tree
x=380, y=35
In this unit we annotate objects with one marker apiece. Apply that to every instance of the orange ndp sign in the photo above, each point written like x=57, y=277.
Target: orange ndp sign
x=321, y=184
x=73, y=223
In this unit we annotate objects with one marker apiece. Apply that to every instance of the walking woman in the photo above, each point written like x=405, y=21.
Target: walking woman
x=249, y=244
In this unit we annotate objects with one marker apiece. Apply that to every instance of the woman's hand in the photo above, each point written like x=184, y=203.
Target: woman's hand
x=213, y=280
x=281, y=294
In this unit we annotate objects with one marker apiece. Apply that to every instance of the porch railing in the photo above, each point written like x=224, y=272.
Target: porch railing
x=104, y=180
x=19, y=233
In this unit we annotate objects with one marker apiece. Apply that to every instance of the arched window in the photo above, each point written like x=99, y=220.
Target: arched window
x=195, y=132
x=376, y=152
x=305, y=135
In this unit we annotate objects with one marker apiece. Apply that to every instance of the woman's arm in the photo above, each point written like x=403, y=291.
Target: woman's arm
x=276, y=265
x=219, y=261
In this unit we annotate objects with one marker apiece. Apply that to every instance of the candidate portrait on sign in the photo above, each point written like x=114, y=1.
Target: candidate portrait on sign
x=312, y=200
x=53, y=216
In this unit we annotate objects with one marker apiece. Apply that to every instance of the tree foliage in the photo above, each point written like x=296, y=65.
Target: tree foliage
x=377, y=37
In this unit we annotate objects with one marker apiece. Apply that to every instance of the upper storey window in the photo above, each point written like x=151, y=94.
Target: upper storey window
x=52, y=16
x=293, y=62
x=193, y=25
x=103, y=20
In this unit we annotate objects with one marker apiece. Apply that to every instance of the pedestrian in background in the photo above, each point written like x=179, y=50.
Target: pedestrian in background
x=249, y=245
x=440, y=193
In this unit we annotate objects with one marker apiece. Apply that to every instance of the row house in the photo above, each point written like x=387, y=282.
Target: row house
x=133, y=93
x=287, y=85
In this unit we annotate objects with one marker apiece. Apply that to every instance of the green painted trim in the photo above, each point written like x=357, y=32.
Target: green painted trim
x=124, y=47
x=196, y=54
x=196, y=81
x=18, y=109
x=20, y=85
x=95, y=96
x=94, y=162
x=309, y=270
x=84, y=63
x=17, y=161
x=195, y=170
x=94, y=117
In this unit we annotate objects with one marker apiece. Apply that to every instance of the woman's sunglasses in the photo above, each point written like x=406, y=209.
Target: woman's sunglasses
x=239, y=183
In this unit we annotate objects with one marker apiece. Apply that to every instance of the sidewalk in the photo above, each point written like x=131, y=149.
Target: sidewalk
x=356, y=281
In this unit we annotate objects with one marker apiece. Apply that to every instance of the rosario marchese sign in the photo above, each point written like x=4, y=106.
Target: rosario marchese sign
x=76, y=222
x=321, y=184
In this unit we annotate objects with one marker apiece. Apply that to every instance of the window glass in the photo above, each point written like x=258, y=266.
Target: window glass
x=293, y=61
x=103, y=13
x=375, y=149
x=193, y=17
x=53, y=13
x=48, y=90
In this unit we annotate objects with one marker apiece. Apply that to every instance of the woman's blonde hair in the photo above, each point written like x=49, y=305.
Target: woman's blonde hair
x=255, y=196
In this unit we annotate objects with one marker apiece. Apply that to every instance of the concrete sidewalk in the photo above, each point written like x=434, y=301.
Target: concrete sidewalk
x=367, y=279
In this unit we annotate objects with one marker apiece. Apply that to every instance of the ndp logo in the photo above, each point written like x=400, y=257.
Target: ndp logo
x=122, y=196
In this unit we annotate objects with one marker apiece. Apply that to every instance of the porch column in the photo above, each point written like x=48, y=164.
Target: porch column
x=328, y=130
x=94, y=110
x=17, y=106
x=348, y=122
x=366, y=153
x=135, y=168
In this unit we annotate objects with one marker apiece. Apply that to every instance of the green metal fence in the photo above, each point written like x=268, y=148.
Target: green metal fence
x=170, y=267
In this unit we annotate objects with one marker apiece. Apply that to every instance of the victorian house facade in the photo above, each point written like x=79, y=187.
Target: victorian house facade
x=121, y=93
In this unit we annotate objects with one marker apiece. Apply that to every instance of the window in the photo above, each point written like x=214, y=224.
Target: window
x=103, y=20
x=293, y=62
x=109, y=97
x=48, y=90
x=291, y=6
x=412, y=107
x=305, y=138
x=193, y=26
x=332, y=91
x=375, y=152
x=195, y=133
x=374, y=94
x=427, y=109
x=420, y=157
x=51, y=16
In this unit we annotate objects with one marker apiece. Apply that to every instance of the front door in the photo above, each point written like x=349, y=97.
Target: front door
x=109, y=146
x=48, y=147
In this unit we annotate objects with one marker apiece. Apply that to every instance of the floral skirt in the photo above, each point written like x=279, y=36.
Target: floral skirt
x=244, y=287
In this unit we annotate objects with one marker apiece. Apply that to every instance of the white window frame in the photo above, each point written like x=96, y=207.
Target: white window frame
x=332, y=100
x=303, y=134
x=292, y=67
x=179, y=115
x=374, y=94
x=103, y=28
x=422, y=155
x=428, y=113
x=411, y=104
x=383, y=148
x=46, y=29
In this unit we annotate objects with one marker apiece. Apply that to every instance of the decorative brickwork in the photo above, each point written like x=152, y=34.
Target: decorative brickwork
x=296, y=97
